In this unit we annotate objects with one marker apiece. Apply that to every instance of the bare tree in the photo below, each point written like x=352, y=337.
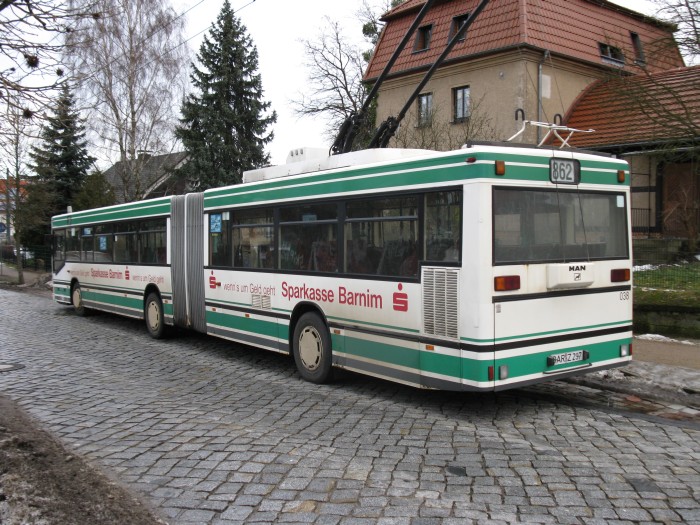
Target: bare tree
x=131, y=64
x=14, y=153
x=686, y=15
x=438, y=134
x=31, y=42
x=335, y=78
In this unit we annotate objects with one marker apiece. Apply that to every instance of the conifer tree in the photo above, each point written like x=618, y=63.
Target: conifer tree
x=61, y=161
x=224, y=126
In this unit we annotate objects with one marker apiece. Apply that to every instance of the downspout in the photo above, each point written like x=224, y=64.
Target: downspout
x=540, y=109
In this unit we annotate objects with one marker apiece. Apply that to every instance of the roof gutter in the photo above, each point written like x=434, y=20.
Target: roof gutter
x=540, y=109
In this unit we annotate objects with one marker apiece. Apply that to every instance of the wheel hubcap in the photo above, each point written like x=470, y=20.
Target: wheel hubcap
x=153, y=316
x=77, y=299
x=310, y=348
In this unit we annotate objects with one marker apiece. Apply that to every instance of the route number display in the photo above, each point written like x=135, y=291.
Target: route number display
x=564, y=171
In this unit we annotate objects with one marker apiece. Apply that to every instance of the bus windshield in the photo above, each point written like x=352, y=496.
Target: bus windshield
x=542, y=226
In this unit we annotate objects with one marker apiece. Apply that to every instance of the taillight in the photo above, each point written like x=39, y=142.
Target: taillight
x=506, y=283
x=620, y=275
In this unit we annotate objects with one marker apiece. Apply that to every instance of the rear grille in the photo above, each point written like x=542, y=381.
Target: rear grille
x=441, y=302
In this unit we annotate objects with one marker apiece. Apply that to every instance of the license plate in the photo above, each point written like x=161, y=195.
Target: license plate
x=568, y=357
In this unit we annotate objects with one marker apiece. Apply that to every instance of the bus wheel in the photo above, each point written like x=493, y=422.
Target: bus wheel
x=153, y=314
x=312, y=349
x=77, y=300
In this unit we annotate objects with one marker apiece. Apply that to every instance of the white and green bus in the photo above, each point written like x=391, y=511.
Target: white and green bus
x=485, y=268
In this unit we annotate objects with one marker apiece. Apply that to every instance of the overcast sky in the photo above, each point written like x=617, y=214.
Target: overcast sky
x=277, y=28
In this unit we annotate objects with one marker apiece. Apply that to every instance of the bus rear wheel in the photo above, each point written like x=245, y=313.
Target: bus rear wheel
x=153, y=314
x=312, y=349
x=76, y=296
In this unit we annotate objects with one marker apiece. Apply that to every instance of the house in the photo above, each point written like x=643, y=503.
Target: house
x=519, y=58
x=652, y=121
x=577, y=62
x=8, y=193
x=147, y=177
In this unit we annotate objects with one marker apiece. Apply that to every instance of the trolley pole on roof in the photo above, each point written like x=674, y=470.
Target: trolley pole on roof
x=388, y=128
x=348, y=130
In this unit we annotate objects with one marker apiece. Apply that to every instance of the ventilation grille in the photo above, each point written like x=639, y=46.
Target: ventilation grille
x=441, y=302
x=261, y=301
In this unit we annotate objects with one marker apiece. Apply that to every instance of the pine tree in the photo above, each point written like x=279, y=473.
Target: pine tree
x=95, y=193
x=61, y=161
x=224, y=126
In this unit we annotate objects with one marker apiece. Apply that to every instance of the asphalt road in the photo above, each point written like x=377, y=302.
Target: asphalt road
x=211, y=432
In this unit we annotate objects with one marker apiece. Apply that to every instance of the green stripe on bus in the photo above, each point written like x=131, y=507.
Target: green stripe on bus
x=243, y=324
x=115, y=300
x=356, y=322
x=149, y=208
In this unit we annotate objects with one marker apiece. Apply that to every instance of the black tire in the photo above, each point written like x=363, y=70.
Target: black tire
x=312, y=349
x=76, y=297
x=153, y=316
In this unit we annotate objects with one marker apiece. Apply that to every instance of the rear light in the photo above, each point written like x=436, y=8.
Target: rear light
x=620, y=275
x=491, y=373
x=621, y=176
x=503, y=372
x=500, y=167
x=506, y=283
x=625, y=350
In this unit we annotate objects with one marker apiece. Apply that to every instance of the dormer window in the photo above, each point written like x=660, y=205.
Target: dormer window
x=611, y=54
x=458, y=22
x=638, y=49
x=423, y=38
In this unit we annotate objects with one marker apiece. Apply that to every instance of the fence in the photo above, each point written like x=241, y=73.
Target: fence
x=34, y=258
x=665, y=264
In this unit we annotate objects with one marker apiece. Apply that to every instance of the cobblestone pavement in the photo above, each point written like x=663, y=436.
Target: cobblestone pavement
x=211, y=432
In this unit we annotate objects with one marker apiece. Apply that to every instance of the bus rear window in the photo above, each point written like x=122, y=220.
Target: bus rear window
x=558, y=226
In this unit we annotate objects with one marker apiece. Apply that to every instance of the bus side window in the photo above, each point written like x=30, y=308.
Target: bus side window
x=443, y=226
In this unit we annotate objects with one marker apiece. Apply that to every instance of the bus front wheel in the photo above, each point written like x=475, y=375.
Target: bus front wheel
x=153, y=314
x=312, y=349
x=77, y=300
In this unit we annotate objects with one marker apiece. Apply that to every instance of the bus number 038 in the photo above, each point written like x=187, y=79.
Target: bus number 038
x=624, y=296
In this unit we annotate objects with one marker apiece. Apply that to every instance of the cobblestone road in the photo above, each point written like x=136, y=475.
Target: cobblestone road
x=211, y=432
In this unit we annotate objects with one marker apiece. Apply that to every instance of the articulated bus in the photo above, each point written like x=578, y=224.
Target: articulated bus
x=484, y=268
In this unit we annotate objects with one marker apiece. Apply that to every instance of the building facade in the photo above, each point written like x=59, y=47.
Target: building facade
x=520, y=57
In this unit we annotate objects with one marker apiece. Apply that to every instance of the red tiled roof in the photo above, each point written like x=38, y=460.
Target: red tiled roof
x=571, y=28
x=638, y=109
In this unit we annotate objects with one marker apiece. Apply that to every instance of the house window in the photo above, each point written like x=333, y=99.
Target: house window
x=457, y=22
x=638, y=49
x=425, y=109
x=462, y=106
x=611, y=54
x=423, y=38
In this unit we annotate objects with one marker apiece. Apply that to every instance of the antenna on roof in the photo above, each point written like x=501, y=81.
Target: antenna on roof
x=387, y=128
x=348, y=130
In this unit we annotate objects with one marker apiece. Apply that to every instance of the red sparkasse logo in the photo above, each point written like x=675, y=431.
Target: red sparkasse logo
x=126, y=273
x=212, y=281
x=400, y=300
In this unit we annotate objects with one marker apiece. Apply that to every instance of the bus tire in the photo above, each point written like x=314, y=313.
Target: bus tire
x=312, y=349
x=76, y=297
x=153, y=315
